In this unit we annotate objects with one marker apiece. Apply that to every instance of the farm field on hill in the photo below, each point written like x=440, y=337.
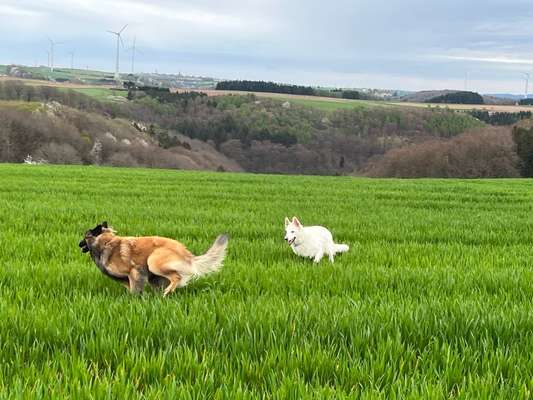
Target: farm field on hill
x=322, y=103
x=331, y=104
x=467, y=107
x=433, y=299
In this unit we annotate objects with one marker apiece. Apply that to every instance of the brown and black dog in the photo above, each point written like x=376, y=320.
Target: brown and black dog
x=134, y=261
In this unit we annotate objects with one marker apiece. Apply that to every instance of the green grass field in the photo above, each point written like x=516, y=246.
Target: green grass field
x=434, y=299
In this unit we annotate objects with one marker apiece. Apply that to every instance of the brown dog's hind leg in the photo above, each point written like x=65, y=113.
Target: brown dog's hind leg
x=165, y=263
x=174, y=279
x=137, y=279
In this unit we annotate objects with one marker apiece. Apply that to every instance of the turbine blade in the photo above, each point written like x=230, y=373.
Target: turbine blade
x=124, y=27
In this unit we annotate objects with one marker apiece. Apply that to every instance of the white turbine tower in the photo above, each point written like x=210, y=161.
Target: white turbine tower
x=526, y=78
x=71, y=54
x=133, y=50
x=52, y=45
x=119, y=42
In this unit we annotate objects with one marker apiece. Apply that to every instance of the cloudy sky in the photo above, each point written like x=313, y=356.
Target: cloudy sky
x=486, y=45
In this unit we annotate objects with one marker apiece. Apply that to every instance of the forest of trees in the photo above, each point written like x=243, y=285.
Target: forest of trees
x=262, y=86
x=271, y=87
x=351, y=94
x=500, y=118
x=458, y=98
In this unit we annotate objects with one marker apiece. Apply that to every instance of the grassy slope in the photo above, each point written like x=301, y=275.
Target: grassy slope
x=326, y=105
x=67, y=73
x=102, y=93
x=434, y=298
x=20, y=105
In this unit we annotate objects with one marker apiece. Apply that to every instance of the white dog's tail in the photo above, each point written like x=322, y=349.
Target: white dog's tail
x=212, y=260
x=341, y=248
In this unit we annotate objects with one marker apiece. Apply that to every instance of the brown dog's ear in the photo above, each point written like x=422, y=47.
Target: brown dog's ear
x=287, y=222
x=96, y=231
x=296, y=223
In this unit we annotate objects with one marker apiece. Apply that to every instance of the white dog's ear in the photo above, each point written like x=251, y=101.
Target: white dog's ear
x=287, y=221
x=296, y=223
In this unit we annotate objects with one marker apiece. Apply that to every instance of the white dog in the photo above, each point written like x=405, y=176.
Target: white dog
x=311, y=241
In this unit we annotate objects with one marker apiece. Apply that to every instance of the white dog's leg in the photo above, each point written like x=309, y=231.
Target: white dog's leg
x=331, y=252
x=319, y=256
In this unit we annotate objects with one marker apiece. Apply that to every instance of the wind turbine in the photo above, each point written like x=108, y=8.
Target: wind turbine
x=71, y=54
x=133, y=50
x=119, y=42
x=52, y=44
x=526, y=77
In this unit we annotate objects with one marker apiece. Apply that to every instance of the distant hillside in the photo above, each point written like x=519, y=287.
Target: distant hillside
x=425, y=95
x=93, y=77
x=492, y=99
x=508, y=96
x=461, y=97
x=157, y=128
x=428, y=96
x=282, y=88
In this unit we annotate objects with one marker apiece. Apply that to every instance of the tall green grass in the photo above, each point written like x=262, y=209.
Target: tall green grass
x=434, y=299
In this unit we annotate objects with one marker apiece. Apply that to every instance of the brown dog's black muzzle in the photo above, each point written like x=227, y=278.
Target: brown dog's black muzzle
x=83, y=245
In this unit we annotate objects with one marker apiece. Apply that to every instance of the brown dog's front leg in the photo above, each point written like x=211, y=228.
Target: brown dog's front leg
x=137, y=278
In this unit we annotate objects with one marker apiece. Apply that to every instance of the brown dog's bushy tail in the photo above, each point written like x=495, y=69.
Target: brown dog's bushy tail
x=212, y=260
